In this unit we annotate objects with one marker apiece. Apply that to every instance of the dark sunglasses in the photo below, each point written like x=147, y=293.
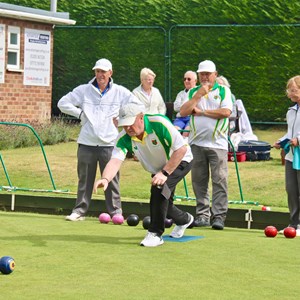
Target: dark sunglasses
x=188, y=79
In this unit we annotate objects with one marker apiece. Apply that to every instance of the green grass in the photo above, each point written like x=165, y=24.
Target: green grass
x=56, y=259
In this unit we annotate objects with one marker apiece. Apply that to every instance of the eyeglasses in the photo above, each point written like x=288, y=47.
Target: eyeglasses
x=187, y=79
x=288, y=91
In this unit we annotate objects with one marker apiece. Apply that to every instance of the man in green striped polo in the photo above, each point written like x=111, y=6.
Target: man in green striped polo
x=162, y=151
x=210, y=106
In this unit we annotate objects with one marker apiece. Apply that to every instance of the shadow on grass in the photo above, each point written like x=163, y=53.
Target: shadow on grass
x=41, y=240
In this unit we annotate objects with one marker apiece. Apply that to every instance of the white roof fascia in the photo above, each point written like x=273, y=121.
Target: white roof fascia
x=35, y=17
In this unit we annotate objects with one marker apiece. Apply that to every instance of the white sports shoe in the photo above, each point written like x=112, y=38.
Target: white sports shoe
x=75, y=217
x=152, y=240
x=298, y=232
x=179, y=230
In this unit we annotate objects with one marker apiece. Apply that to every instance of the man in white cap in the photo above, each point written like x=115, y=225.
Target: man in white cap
x=162, y=151
x=210, y=106
x=96, y=104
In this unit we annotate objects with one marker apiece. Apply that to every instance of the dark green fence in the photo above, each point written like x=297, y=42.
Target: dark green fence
x=256, y=59
x=76, y=49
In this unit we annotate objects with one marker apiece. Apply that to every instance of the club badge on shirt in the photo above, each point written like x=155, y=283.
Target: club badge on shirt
x=154, y=142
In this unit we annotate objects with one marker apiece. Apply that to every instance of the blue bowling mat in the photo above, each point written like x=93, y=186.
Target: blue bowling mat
x=185, y=238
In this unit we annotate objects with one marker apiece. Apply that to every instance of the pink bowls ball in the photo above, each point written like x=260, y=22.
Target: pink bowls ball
x=118, y=219
x=104, y=218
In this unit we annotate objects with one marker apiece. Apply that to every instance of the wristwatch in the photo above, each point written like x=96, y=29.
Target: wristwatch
x=165, y=173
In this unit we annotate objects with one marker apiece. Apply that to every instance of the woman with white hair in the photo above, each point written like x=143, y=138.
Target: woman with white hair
x=149, y=95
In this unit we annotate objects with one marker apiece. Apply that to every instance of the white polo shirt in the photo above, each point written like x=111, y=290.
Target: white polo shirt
x=160, y=140
x=209, y=132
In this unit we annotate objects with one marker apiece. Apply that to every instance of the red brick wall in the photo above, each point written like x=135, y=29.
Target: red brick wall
x=24, y=103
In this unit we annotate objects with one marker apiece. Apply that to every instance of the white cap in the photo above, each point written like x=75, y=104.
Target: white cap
x=206, y=66
x=103, y=64
x=128, y=113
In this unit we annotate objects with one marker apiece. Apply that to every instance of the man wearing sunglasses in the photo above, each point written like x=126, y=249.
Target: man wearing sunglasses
x=182, y=123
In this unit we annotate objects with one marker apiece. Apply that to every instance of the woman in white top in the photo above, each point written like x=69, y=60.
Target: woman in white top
x=149, y=95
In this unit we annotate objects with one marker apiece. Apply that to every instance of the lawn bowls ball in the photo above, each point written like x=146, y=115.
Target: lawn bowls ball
x=270, y=231
x=7, y=264
x=146, y=222
x=168, y=223
x=118, y=219
x=289, y=232
x=266, y=208
x=133, y=220
x=104, y=218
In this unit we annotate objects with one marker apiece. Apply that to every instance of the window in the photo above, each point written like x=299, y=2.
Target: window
x=13, y=47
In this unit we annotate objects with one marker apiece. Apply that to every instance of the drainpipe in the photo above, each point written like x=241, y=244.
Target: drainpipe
x=53, y=5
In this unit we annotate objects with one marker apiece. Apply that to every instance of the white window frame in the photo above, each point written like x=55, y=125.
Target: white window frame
x=13, y=48
x=2, y=52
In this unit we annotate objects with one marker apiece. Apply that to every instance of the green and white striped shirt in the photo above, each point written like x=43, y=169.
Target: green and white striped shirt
x=160, y=140
x=209, y=132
